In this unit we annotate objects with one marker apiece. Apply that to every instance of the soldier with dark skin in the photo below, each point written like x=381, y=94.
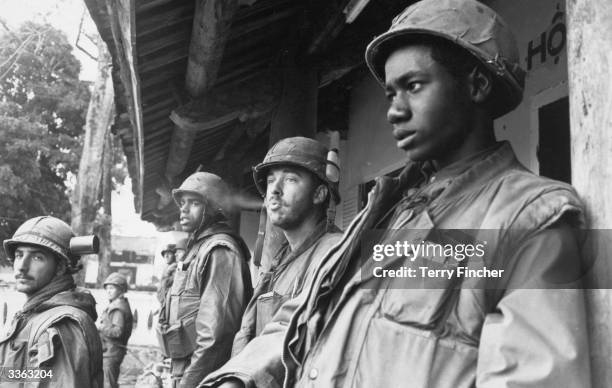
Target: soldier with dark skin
x=449, y=68
x=115, y=327
x=55, y=329
x=210, y=290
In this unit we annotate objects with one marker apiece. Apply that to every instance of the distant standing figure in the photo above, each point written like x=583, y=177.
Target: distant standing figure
x=169, y=255
x=115, y=327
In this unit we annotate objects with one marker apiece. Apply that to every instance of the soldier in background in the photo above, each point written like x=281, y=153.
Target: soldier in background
x=212, y=287
x=56, y=328
x=169, y=255
x=115, y=327
x=181, y=249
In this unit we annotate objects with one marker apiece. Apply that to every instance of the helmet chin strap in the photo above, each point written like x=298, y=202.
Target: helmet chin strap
x=331, y=215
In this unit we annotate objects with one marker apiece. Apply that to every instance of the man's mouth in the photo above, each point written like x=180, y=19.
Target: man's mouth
x=403, y=137
x=274, y=205
x=22, y=278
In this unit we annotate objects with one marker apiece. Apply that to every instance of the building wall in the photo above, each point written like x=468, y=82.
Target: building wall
x=370, y=151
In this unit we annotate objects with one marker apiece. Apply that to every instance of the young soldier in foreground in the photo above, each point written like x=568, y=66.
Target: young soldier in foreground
x=297, y=193
x=211, y=288
x=449, y=68
x=115, y=327
x=55, y=330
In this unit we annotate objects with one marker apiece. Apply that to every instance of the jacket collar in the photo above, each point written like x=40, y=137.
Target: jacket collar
x=217, y=227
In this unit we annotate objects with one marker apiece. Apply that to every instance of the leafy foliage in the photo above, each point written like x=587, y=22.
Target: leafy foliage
x=43, y=106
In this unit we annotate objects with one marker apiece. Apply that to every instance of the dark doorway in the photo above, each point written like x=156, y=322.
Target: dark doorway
x=554, y=148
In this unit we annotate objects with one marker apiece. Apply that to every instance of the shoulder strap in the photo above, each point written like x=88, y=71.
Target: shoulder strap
x=215, y=241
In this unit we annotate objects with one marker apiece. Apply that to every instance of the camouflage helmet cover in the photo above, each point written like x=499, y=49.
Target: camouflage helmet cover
x=296, y=151
x=469, y=24
x=47, y=232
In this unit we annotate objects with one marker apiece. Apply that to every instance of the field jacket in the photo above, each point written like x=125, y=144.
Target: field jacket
x=116, y=323
x=281, y=279
x=204, y=306
x=525, y=329
x=61, y=335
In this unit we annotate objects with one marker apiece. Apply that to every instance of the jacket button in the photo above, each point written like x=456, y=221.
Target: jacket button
x=314, y=373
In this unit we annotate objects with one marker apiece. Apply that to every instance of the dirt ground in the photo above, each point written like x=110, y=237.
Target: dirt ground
x=138, y=360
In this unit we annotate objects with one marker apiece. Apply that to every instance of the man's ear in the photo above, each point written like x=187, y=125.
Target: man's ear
x=61, y=268
x=481, y=85
x=320, y=194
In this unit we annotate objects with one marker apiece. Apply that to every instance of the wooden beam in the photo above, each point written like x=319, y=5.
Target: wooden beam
x=147, y=5
x=152, y=46
x=330, y=28
x=211, y=24
x=175, y=16
x=121, y=17
x=249, y=127
x=234, y=102
x=169, y=58
x=249, y=28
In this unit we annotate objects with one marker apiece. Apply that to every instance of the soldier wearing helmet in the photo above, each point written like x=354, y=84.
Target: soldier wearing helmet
x=293, y=178
x=55, y=329
x=115, y=327
x=202, y=310
x=448, y=68
x=169, y=254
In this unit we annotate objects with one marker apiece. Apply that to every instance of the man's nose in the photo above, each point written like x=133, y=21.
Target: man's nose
x=399, y=110
x=21, y=265
x=275, y=187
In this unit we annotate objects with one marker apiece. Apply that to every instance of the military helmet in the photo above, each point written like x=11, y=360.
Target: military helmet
x=118, y=280
x=169, y=248
x=47, y=232
x=469, y=24
x=210, y=187
x=296, y=151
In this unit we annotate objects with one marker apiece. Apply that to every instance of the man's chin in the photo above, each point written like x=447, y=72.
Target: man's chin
x=416, y=155
x=187, y=228
x=25, y=288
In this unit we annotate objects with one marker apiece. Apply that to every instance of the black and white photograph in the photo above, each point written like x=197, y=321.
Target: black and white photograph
x=312, y=194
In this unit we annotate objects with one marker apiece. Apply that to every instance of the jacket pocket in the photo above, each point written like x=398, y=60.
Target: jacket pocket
x=179, y=340
x=13, y=355
x=267, y=305
x=396, y=355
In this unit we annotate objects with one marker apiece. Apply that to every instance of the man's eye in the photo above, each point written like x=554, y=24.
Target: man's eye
x=389, y=96
x=291, y=179
x=38, y=258
x=415, y=86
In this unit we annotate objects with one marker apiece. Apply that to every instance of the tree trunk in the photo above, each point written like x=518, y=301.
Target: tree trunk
x=85, y=203
x=104, y=221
